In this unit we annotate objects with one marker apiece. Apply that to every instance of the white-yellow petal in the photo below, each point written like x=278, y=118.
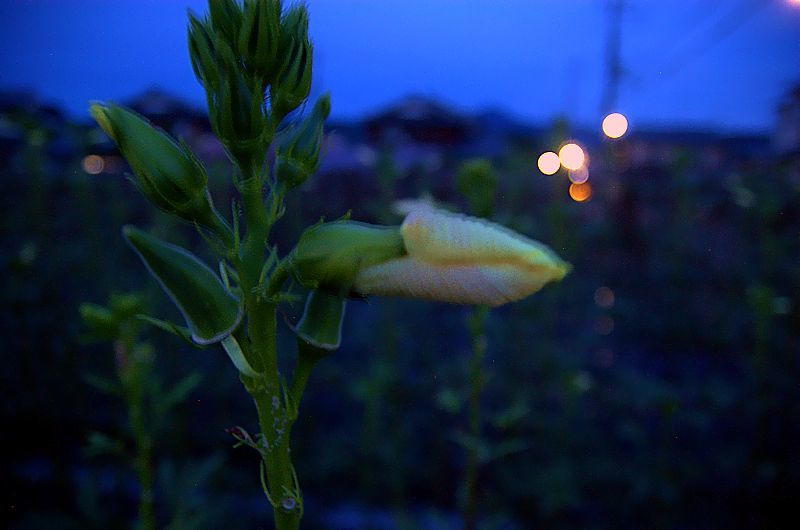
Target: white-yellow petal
x=460, y=259
x=438, y=236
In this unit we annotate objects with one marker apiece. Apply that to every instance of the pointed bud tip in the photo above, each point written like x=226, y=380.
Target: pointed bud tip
x=99, y=112
x=133, y=235
x=129, y=230
x=562, y=269
x=323, y=105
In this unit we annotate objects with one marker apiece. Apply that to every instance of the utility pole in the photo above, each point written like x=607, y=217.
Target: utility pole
x=613, y=60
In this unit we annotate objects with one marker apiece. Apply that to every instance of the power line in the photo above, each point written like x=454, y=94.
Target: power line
x=690, y=22
x=614, y=71
x=724, y=27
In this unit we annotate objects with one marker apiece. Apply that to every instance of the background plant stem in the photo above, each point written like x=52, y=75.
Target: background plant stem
x=132, y=374
x=477, y=327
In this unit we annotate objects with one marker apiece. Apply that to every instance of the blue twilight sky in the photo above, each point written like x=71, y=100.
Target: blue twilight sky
x=701, y=63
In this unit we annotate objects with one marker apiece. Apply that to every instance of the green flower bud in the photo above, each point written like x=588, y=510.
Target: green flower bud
x=226, y=19
x=228, y=71
x=239, y=116
x=298, y=152
x=477, y=182
x=329, y=255
x=293, y=81
x=260, y=37
x=165, y=172
x=202, y=52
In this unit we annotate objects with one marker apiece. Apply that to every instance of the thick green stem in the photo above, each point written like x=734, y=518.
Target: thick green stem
x=477, y=325
x=275, y=422
x=274, y=416
x=256, y=218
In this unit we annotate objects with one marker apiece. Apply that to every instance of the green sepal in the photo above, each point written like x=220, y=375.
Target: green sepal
x=236, y=355
x=210, y=310
x=321, y=323
x=329, y=255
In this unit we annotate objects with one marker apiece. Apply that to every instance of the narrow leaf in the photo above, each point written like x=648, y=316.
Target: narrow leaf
x=170, y=327
x=179, y=392
x=103, y=384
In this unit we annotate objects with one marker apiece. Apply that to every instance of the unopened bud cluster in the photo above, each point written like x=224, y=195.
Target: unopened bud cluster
x=242, y=53
x=254, y=60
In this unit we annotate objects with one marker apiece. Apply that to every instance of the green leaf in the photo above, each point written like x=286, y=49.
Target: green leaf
x=179, y=392
x=102, y=444
x=510, y=416
x=507, y=448
x=210, y=310
x=472, y=443
x=100, y=321
x=103, y=384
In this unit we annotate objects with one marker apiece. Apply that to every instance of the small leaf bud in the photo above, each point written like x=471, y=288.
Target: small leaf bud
x=293, y=81
x=298, y=152
x=260, y=37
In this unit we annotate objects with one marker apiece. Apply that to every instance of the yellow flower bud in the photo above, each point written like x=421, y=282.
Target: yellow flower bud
x=464, y=260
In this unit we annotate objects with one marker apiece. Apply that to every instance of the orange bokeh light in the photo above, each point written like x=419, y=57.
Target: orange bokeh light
x=615, y=125
x=572, y=156
x=580, y=192
x=604, y=297
x=549, y=163
x=93, y=164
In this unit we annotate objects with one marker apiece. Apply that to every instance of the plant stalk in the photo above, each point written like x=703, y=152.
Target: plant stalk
x=477, y=326
x=274, y=417
x=131, y=376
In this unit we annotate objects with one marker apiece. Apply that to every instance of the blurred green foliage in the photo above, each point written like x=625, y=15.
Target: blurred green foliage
x=671, y=403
